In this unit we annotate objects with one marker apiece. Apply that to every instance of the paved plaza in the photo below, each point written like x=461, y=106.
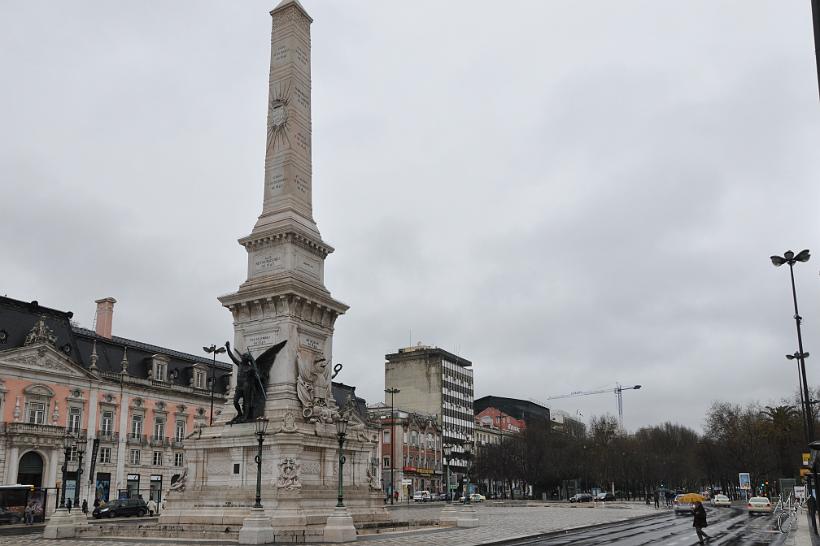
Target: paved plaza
x=496, y=524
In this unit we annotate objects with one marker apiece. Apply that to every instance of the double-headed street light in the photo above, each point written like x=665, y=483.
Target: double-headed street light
x=261, y=425
x=791, y=258
x=80, y=446
x=392, y=391
x=448, y=452
x=215, y=350
x=341, y=432
x=68, y=443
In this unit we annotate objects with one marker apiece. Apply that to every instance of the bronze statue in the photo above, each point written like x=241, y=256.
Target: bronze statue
x=251, y=380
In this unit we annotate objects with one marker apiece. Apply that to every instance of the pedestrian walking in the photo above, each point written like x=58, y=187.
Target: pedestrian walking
x=152, y=507
x=162, y=506
x=85, y=507
x=68, y=505
x=29, y=513
x=657, y=500
x=700, y=521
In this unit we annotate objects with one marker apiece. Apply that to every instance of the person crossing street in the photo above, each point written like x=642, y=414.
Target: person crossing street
x=700, y=521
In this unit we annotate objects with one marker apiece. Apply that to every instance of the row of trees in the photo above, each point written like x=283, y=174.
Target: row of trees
x=766, y=441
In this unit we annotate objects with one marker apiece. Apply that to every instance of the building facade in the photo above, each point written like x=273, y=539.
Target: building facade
x=128, y=405
x=432, y=381
x=411, y=451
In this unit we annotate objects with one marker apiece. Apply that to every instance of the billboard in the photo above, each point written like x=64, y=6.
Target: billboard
x=745, y=481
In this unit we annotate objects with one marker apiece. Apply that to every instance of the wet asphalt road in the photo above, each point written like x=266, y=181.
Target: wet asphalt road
x=727, y=527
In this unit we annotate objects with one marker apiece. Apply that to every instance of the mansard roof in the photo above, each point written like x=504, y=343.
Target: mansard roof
x=19, y=318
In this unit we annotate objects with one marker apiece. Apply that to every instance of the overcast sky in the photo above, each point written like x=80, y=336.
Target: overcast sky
x=570, y=194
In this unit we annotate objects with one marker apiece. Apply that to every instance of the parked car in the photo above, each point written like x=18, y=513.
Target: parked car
x=477, y=497
x=422, y=496
x=441, y=496
x=721, y=500
x=121, y=508
x=7, y=516
x=759, y=505
x=604, y=497
x=581, y=497
x=682, y=506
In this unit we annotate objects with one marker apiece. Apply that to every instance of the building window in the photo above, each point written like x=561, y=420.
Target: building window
x=159, y=428
x=107, y=423
x=199, y=379
x=136, y=426
x=178, y=459
x=72, y=453
x=386, y=462
x=37, y=413
x=135, y=456
x=157, y=458
x=160, y=370
x=74, y=417
x=105, y=455
x=179, y=432
x=386, y=436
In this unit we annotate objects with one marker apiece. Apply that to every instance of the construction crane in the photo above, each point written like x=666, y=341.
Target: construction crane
x=619, y=398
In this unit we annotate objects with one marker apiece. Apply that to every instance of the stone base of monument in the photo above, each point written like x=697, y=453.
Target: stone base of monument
x=256, y=528
x=467, y=517
x=339, y=526
x=60, y=525
x=79, y=518
x=449, y=515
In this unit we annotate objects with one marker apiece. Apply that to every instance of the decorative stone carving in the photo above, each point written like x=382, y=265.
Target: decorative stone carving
x=313, y=387
x=40, y=333
x=373, y=481
x=17, y=413
x=288, y=423
x=289, y=475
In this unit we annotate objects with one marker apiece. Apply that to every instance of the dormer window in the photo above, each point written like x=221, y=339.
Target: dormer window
x=159, y=368
x=199, y=379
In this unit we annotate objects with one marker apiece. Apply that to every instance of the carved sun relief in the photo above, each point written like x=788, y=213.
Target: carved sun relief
x=278, y=117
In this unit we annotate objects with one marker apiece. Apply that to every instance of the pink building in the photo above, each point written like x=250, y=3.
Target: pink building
x=129, y=405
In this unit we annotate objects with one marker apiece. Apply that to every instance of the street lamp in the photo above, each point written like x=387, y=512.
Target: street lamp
x=392, y=391
x=790, y=258
x=261, y=427
x=215, y=350
x=80, y=452
x=448, y=452
x=68, y=442
x=341, y=432
x=468, y=456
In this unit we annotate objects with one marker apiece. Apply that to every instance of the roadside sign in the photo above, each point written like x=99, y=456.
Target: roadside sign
x=406, y=482
x=806, y=459
x=745, y=480
x=800, y=491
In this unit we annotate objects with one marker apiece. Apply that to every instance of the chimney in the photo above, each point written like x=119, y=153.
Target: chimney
x=105, y=316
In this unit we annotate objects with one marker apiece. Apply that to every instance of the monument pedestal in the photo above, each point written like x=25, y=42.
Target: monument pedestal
x=467, y=517
x=256, y=528
x=449, y=515
x=60, y=525
x=339, y=526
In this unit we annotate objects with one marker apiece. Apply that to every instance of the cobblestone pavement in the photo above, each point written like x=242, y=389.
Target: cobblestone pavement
x=496, y=524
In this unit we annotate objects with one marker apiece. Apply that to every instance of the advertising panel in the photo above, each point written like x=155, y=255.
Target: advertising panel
x=745, y=481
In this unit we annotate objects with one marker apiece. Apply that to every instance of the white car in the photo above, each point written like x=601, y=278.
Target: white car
x=759, y=505
x=721, y=500
x=422, y=496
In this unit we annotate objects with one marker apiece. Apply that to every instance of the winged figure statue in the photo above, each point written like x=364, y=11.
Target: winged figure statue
x=251, y=380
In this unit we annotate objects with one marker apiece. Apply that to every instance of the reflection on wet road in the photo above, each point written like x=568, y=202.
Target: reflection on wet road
x=727, y=527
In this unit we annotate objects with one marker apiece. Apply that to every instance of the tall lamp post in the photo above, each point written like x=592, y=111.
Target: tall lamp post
x=791, y=258
x=468, y=456
x=68, y=442
x=448, y=451
x=80, y=452
x=261, y=428
x=213, y=349
x=341, y=432
x=392, y=391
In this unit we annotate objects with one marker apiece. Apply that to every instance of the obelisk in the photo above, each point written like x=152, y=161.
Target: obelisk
x=284, y=296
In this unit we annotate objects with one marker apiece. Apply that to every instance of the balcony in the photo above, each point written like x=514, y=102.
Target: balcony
x=136, y=439
x=108, y=436
x=159, y=441
x=178, y=443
